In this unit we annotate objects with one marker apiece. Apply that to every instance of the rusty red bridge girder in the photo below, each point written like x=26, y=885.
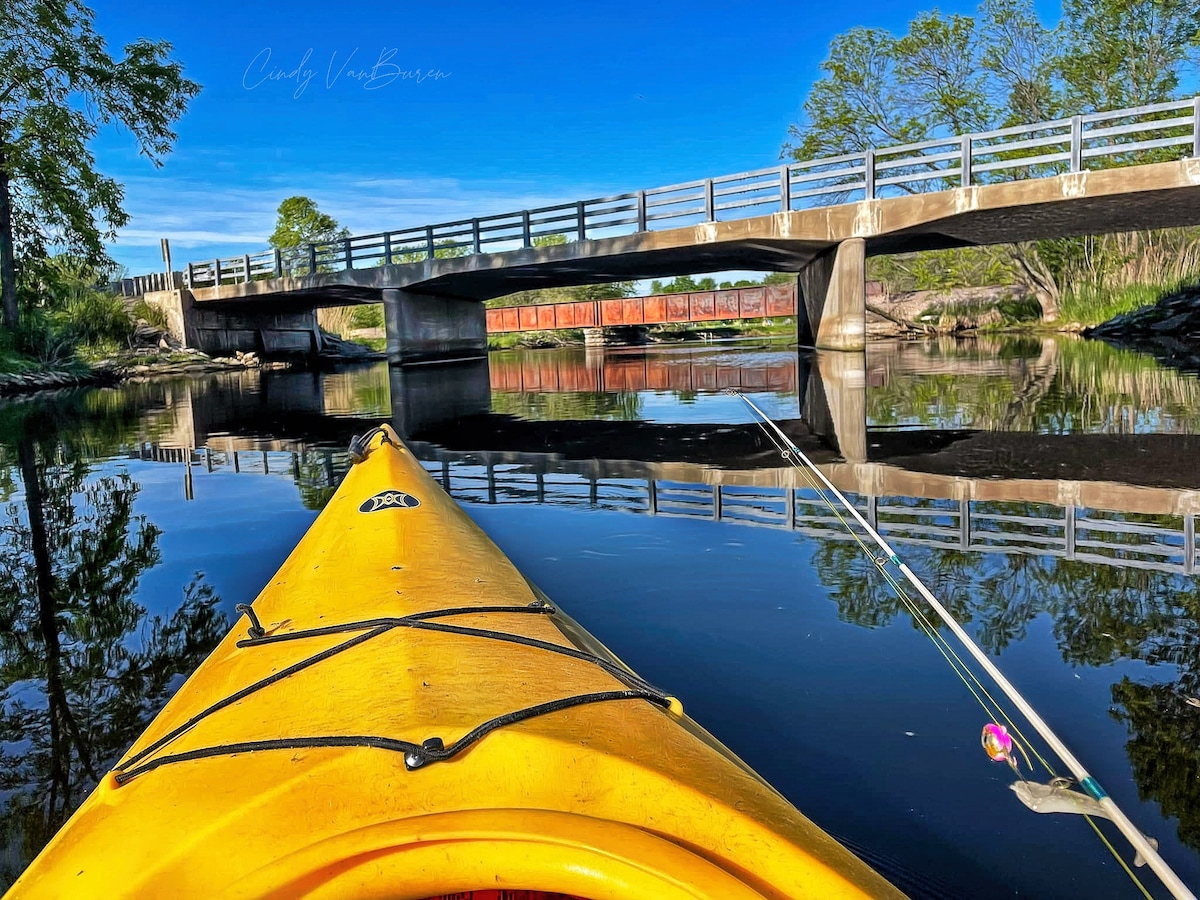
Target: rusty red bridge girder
x=700, y=306
x=681, y=370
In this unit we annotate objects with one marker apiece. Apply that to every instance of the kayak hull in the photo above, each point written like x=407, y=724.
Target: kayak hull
x=402, y=715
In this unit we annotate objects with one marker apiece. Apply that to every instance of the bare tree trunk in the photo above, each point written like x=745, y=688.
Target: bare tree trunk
x=1039, y=278
x=8, y=262
x=898, y=320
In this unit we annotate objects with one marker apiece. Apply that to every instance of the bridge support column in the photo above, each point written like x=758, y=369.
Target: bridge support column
x=223, y=330
x=614, y=336
x=833, y=392
x=427, y=328
x=833, y=288
x=424, y=397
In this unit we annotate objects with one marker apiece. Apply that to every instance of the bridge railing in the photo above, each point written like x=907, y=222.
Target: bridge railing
x=1095, y=536
x=1124, y=137
x=1098, y=537
x=144, y=284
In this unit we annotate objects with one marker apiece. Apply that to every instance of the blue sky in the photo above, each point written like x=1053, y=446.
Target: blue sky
x=536, y=103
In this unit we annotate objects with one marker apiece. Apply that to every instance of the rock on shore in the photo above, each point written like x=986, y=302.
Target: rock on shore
x=25, y=382
x=128, y=368
x=1169, y=330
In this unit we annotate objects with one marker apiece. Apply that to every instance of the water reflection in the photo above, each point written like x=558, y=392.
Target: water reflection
x=1041, y=486
x=83, y=667
x=1047, y=385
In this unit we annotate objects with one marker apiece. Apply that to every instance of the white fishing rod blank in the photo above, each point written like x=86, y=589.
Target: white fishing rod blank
x=1166, y=874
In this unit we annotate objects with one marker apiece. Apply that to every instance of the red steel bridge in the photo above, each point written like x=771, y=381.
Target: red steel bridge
x=770, y=301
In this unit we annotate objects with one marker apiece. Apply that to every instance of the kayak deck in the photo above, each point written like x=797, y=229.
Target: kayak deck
x=401, y=714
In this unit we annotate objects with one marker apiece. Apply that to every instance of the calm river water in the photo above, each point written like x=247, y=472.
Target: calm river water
x=1047, y=490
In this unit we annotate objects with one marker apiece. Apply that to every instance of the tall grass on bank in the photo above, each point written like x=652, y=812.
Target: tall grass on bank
x=341, y=320
x=1109, y=275
x=63, y=316
x=1089, y=278
x=94, y=318
x=1091, y=304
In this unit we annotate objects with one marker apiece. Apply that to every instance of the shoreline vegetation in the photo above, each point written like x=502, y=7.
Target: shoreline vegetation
x=1003, y=65
x=83, y=336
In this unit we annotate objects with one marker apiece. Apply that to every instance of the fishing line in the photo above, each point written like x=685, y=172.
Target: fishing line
x=960, y=668
x=789, y=451
x=965, y=673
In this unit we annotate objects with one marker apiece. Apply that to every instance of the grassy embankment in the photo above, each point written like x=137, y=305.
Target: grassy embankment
x=1092, y=279
x=70, y=336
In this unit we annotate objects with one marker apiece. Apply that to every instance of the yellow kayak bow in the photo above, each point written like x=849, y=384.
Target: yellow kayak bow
x=401, y=714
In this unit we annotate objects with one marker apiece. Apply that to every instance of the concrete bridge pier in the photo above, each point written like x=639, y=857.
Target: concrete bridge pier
x=425, y=396
x=428, y=328
x=833, y=294
x=224, y=329
x=614, y=336
x=833, y=398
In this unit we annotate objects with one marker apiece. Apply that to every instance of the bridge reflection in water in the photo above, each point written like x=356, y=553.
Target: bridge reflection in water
x=1158, y=535
x=1060, y=450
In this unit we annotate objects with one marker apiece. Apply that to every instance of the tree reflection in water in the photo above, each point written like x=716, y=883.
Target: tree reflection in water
x=83, y=666
x=1100, y=614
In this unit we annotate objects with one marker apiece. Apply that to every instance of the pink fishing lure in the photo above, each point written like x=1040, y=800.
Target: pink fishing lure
x=997, y=743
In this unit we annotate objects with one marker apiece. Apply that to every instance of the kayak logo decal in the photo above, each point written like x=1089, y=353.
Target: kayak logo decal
x=389, y=500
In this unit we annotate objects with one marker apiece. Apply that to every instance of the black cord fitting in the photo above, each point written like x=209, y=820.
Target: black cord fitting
x=255, y=630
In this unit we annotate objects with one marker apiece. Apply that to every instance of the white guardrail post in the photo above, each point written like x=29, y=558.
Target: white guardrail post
x=1076, y=143
x=1196, y=127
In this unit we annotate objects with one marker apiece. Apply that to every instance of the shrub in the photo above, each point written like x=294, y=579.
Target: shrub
x=368, y=316
x=94, y=317
x=151, y=315
x=39, y=339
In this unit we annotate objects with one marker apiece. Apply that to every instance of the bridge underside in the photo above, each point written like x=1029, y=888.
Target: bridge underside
x=826, y=245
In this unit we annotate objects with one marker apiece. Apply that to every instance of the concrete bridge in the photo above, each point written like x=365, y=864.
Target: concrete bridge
x=1101, y=172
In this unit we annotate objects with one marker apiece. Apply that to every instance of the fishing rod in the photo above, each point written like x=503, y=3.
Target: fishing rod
x=1166, y=874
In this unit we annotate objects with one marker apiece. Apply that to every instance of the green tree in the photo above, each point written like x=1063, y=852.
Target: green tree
x=879, y=90
x=955, y=74
x=299, y=222
x=1118, y=53
x=58, y=86
x=857, y=103
x=937, y=67
x=1020, y=56
x=681, y=284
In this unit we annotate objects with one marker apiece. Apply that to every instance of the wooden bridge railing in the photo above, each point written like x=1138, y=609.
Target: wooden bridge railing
x=1124, y=137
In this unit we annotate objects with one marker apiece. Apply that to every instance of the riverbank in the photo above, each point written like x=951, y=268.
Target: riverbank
x=166, y=361
x=128, y=367
x=1169, y=330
